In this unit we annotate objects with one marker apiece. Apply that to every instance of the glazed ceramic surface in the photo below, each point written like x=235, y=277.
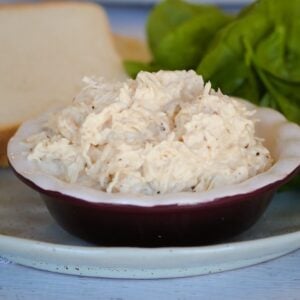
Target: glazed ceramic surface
x=31, y=237
x=166, y=225
x=181, y=219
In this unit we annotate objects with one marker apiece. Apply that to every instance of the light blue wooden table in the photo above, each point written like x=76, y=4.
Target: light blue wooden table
x=277, y=279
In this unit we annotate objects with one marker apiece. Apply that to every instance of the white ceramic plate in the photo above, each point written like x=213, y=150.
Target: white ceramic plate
x=29, y=236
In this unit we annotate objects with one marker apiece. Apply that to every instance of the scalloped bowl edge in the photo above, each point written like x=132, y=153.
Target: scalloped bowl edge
x=281, y=137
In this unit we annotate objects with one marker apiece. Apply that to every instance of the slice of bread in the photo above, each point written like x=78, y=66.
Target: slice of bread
x=46, y=49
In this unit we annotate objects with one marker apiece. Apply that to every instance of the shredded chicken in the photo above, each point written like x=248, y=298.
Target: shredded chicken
x=161, y=133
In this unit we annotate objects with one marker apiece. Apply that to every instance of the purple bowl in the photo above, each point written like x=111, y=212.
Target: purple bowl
x=181, y=219
x=161, y=225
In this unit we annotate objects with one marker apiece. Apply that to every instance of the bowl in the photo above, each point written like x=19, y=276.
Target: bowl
x=181, y=219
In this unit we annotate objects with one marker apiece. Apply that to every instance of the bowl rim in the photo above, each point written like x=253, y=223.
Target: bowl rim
x=272, y=187
x=287, y=166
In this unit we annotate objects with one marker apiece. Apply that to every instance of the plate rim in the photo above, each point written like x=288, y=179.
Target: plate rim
x=97, y=261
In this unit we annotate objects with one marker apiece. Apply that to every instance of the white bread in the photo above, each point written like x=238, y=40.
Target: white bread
x=46, y=49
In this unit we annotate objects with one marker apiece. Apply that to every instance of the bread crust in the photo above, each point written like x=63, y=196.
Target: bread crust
x=127, y=48
x=130, y=48
x=7, y=131
x=5, y=134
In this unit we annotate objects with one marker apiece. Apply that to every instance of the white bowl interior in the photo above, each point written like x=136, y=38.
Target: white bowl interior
x=281, y=137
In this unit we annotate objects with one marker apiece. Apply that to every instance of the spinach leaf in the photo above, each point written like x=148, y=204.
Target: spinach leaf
x=133, y=68
x=285, y=94
x=227, y=62
x=257, y=56
x=278, y=67
x=277, y=55
x=169, y=15
x=178, y=34
x=184, y=46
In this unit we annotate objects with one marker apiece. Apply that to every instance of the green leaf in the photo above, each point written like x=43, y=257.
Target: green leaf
x=227, y=62
x=257, y=56
x=133, y=67
x=285, y=94
x=184, y=47
x=281, y=81
x=170, y=14
x=293, y=184
x=179, y=33
x=274, y=55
